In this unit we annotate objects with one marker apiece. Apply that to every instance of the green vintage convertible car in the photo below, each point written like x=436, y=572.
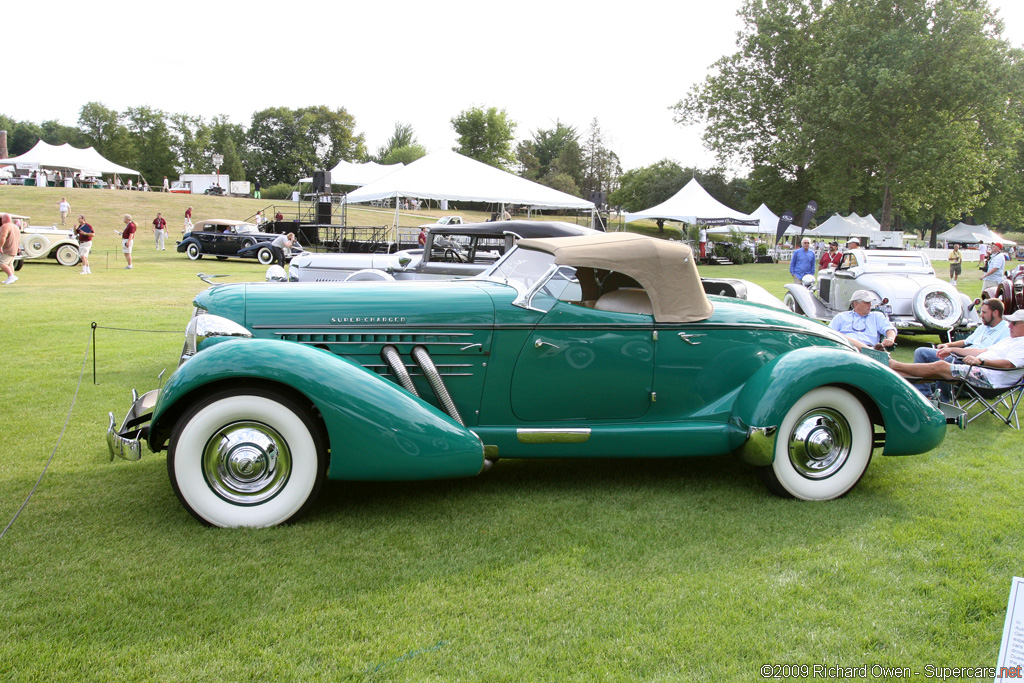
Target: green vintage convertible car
x=575, y=347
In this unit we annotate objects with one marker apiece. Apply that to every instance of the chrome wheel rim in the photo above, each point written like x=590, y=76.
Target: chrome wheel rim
x=247, y=463
x=820, y=443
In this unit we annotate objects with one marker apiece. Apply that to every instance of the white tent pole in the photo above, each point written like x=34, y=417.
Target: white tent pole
x=394, y=228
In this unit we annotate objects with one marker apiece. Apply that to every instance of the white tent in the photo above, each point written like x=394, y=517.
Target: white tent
x=448, y=175
x=839, y=226
x=971, y=234
x=868, y=220
x=687, y=205
x=350, y=173
x=768, y=224
x=65, y=157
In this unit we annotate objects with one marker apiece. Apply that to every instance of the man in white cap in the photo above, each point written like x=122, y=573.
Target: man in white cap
x=998, y=367
x=861, y=325
x=852, y=245
x=993, y=276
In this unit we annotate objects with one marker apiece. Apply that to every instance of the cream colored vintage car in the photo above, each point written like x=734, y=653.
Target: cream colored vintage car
x=48, y=242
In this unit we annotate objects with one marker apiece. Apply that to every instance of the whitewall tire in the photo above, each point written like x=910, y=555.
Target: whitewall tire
x=246, y=458
x=67, y=255
x=193, y=251
x=822, y=448
x=265, y=255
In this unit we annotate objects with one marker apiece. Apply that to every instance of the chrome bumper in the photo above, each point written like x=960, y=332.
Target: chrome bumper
x=127, y=441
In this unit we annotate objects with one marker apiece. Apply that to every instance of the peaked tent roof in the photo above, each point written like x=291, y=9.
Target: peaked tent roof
x=868, y=220
x=969, y=234
x=839, y=226
x=449, y=175
x=351, y=173
x=687, y=205
x=67, y=157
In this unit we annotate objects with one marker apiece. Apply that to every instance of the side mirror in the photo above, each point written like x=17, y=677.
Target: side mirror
x=404, y=260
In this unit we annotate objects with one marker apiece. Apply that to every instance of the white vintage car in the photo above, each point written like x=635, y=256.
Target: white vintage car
x=48, y=242
x=916, y=301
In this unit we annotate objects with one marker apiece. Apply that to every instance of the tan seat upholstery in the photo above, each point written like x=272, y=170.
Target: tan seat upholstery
x=625, y=301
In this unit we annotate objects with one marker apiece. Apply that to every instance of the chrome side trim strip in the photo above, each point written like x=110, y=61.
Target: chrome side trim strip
x=531, y=435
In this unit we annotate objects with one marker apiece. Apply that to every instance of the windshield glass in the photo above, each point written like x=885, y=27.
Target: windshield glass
x=246, y=227
x=520, y=268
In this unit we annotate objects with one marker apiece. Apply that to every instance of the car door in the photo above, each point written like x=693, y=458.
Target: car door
x=582, y=364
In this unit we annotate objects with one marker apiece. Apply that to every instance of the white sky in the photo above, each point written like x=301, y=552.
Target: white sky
x=420, y=63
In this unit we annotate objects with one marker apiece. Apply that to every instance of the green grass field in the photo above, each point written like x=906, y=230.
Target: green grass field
x=618, y=570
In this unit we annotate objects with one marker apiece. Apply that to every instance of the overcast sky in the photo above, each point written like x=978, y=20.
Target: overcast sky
x=416, y=62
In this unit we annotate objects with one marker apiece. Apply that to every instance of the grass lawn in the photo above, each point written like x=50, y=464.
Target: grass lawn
x=667, y=570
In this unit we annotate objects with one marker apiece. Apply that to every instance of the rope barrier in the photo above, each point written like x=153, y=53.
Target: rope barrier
x=74, y=399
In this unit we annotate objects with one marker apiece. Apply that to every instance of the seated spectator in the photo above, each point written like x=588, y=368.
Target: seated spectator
x=863, y=326
x=982, y=368
x=992, y=330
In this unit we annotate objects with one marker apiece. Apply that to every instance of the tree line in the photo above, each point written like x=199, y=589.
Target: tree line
x=281, y=145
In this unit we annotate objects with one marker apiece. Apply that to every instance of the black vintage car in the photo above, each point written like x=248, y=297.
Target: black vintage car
x=225, y=238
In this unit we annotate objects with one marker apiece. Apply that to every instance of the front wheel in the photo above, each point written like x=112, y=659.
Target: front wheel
x=193, y=251
x=246, y=458
x=791, y=303
x=822, y=448
x=265, y=256
x=67, y=255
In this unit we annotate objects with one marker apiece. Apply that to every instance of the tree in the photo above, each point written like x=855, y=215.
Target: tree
x=21, y=135
x=190, y=143
x=104, y=129
x=909, y=102
x=285, y=144
x=642, y=188
x=152, y=143
x=553, y=158
x=486, y=135
x=56, y=133
x=601, y=168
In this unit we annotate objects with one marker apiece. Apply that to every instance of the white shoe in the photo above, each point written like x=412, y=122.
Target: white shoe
x=83, y=272
x=127, y=268
x=11, y=280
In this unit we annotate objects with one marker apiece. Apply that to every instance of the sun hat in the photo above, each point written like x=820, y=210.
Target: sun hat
x=864, y=295
x=853, y=240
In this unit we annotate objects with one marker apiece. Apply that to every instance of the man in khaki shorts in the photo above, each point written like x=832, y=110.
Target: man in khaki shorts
x=10, y=241
x=128, y=239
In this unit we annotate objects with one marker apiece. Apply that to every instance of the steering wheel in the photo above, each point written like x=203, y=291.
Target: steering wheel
x=452, y=256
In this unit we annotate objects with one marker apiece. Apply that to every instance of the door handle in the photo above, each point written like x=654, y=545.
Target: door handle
x=539, y=344
x=688, y=338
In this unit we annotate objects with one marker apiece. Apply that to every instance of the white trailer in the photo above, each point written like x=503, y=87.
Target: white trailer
x=203, y=182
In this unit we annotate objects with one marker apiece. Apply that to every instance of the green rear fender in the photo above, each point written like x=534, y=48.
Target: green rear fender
x=912, y=425
x=377, y=431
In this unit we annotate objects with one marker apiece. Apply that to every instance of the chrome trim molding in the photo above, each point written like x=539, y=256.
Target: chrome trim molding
x=534, y=435
x=759, y=448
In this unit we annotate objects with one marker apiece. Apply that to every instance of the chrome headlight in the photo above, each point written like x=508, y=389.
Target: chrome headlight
x=203, y=327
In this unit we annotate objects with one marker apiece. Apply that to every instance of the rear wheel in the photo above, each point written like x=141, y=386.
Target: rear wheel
x=822, y=448
x=67, y=255
x=246, y=458
x=194, y=252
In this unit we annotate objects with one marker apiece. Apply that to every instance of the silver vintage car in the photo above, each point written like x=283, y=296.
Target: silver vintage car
x=453, y=250
x=916, y=301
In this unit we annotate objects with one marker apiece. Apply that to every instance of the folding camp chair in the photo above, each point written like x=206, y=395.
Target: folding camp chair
x=1002, y=403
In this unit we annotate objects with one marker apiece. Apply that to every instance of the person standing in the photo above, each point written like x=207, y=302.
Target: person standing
x=956, y=261
x=703, y=241
x=159, y=231
x=422, y=238
x=10, y=241
x=832, y=257
x=802, y=262
x=993, y=276
x=282, y=245
x=256, y=187
x=84, y=233
x=64, y=207
x=167, y=185
x=128, y=239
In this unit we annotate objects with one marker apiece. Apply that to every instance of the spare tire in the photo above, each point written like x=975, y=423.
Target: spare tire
x=370, y=275
x=937, y=308
x=36, y=246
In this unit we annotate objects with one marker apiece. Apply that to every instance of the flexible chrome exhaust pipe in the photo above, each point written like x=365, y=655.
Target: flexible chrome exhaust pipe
x=426, y=363
x=391, y=356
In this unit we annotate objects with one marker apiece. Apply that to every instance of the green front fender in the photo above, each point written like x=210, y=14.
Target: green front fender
x=377, y=430
x=912, y=425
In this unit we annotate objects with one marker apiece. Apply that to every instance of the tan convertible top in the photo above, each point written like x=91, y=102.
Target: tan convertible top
x=666, y=270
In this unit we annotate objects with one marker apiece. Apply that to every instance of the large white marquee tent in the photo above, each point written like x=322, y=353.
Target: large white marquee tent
x=67, y=158
x=972, y=234
x=351, y=173
x=449, y=175
x=687, y=205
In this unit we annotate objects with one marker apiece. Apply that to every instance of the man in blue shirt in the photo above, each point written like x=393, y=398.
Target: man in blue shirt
x=992, y=330
x=862, y=326
x=802, y=262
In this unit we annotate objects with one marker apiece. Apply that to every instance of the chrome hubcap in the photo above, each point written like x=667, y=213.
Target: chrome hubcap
x=820, y=443
x=247, y=462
